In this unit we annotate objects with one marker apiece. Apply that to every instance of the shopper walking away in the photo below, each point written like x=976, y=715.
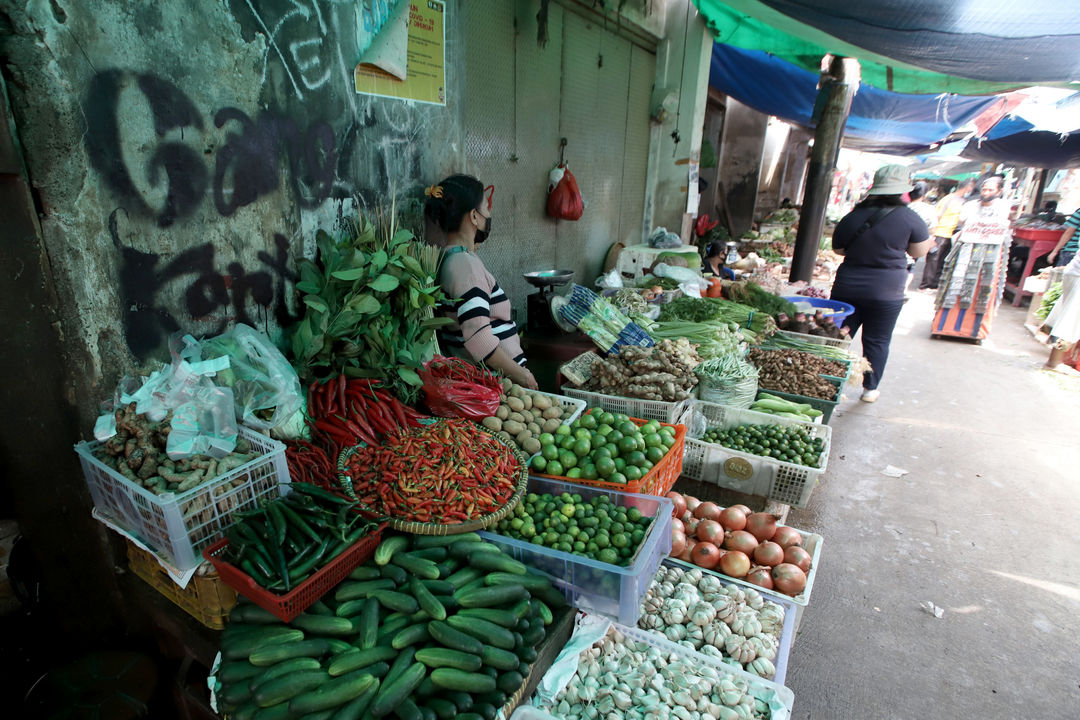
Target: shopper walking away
x=1066, y=247
x=1064, y=319
x=948, y=217
x=482, y=330
x=876, y=238
x=973, y=278
x=926, y=211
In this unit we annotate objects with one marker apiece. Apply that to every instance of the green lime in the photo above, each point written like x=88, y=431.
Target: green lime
x=634, y=514
x=613, y=449
x=620, y=540
x=568, y=459
x=582, y=434
x=651, y=440
x=602, y=540
x=604, y=430
x=636, y=458
x=615, y=436
x=609, y=555
x=546, y=439
x=562, y=430
x=582, y=447
x=555, y=467
x=668, y=440
x=539, y=463
x=549, y=452
x=650, y=427
x=607, y=419
x=636, y=537
x=568, y=509
x=573, y=473
x=579, y=547
x=605, y=466
x=655, y=454
x=602, y=451
x=567, y=442
x=627, y=428
x=620, y=464
x=587, y=421
x=589, y=471
x=632, y=473
x=618, y=478
x=627, y=445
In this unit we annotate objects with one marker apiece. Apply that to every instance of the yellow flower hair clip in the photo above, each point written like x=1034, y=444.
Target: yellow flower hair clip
x=434, y=191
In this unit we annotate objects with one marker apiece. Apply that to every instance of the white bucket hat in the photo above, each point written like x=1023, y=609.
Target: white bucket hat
x=891, y=180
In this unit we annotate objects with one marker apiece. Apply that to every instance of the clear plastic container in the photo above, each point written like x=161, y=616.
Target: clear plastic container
x=667, y=412
x=612, y=590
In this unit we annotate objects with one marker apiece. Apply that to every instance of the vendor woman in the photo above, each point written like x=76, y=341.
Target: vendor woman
x=482, y=330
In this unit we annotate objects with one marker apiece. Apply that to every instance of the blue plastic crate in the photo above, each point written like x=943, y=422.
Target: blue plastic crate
x=835, y=309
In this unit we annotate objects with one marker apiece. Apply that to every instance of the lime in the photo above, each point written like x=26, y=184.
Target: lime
x=587, y=421
x=579, y=547
x=582, y=447
x=549, y=452
x=589, y=471
x=609, y=555
x=620, y=464
x=602, y=540
x=636, y=458
x=616, y=527
x=554, y=467
x=627, y=445
x=655, y=454
x=604, y=430
x=568, y=459
x=573, y=473
x=602, y=451
x=539, y=463
x=612, y=448
x=669, y=440
x=567, y=442
x=632, y=473
x=650, y=427
x=605, y=466
x=562, y=430
x=634, y=514
x=517, y=523
x=627, y=428
x=546, y=439
x=582, y=434
x=615, y=436
x=620, y=540
x=607, y=419
x=618, y=478
x=651, y=440
x=568, y=509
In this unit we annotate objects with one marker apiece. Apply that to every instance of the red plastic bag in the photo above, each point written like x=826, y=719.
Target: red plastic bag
x=564, y=197
x=455, y=388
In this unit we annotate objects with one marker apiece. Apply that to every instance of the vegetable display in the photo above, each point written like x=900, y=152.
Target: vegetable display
x=792, y=372
x=430, y=627
x=524, y=416
x=751, y=294
x=597, y=528
x=603, y=446
x=782, y=407
x=285, y=541
x=727, y=380
x=753, y=324
x=786, y=443
x=816, y=323
x=348, y=412
x=739, y=543
x=447, y=471
x=621, y=677
x=799, y=359
x=1049, y=299
x=780, y=341
x=137, y=451
x=663, y=372
x=713, y=339
x=694, y=608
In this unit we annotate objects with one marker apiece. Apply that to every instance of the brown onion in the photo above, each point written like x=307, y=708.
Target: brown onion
x=689, y=548
x=705, y=555
x=677, y=524
x=710, y=531
x=686, y=517
x=692, y=526
x=762, y=525
x=691, y=502
x=788, y=579
x=742, y=541
x=769, y=553
x=707, y=511
x=761, y=577
x=735, y=564
x=680, y=504
x=744, y=508
x=678, y=543
x=732, y=518
x=799, y=557
x=786, y=536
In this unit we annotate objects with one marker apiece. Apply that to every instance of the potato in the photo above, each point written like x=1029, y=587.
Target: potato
x=515, y=403
x=552, y=412
x=503, y=412
x=522, y=436
x=517, y=417
x=551, y=425
x=531, y=446
x=512, y=427
x=541, y=402
x=528, y=415
x=507, y=385
x=517, y=392
x=492, y=423
x=535, y=429
x=527, y=400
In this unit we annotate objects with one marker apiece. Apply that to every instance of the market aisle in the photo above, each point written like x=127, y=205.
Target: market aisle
x=984, y=525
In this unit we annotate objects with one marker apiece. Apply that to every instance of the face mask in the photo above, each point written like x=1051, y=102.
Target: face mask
x=482, y=235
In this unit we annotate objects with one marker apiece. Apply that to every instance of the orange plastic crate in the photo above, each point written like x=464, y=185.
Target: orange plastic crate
x=657, y=481
x=206, y=598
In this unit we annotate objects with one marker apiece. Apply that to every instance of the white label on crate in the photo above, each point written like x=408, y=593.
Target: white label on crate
x=738, y=468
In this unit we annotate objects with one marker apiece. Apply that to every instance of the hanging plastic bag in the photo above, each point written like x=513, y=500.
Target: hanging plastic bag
x=662, y=239
x=610, y=281
x=564, y=197
x=455, y=388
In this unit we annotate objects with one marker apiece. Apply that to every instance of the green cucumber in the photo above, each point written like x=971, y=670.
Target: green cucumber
x=279, y=711
x=411, y=635
x=435, y=554
x=510, y=682
x=435, y=657
x=385, y=552
x=319, y=608
x=467, y=550
x=521, y=609
x=443, y=708
x=447, y=636
x=535, y=636
x=486, y=632
x=324, y=625
x=357, y=589
x=245, y=712
x=448, y=602
x=421, y=542
x=491, y=596
x=537, y=585
x=286, y=667
x=356, y=708
x=453, y=679
x=338, y=646
x=253, y=615
x=439, y=587
x=426, y=600
x=540, y=608
x=356, y=659
x=240, y=647
x=230, y=672
x=416, y=566
x=351, y=607
x=395, y=573
x=462, y=700
x=523, y=668
x=473, y=585
x=279, y=652
x=332, y=694
x=236, y=694
x=486, y=710
x=471, y=716
x=463, y=577
x=527, y=653
x=505, y=618
x=497, y=562
x=447, y=567
x=368, y=623
x=499, y=658
x=396, y=601
x=407, y=710
x=365, y=572
x=394, y=693
x=425, y=689
x=402, y=662
x=286, y=687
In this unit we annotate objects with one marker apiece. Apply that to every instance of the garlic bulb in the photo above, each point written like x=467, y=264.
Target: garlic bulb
x=687, y=593
x=702, y=614
x=740, y=648
x=693, y=576
x=665, y=589
x=710, y=584
x=675, y=633
x=746, y=623
x=651, y=622
x=762, y=667
x=726, y=606
x=765, y=646
x=715, y=633
x=695, y=635
x=674, y=612
x=754, y=599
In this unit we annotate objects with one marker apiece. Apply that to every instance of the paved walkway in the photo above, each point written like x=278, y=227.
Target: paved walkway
x=985, y=524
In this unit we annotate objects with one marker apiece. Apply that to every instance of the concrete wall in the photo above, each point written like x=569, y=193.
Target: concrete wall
x=740, y=161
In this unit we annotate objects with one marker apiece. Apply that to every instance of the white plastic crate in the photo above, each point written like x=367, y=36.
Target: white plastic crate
x=812, y=544
x=743, y=472
x=668, y=412
x=179, y=526
x=569, y=405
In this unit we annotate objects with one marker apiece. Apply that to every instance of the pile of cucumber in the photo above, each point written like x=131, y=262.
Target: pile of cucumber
x=432, y=628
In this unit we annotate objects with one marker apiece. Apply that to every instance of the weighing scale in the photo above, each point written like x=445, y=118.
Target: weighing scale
x=541, y=305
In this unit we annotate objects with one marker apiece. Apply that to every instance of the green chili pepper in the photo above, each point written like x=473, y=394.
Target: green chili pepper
x=319, y=493
x=277, y=519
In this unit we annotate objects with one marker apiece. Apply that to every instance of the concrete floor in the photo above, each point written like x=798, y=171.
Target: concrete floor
x=986, y=525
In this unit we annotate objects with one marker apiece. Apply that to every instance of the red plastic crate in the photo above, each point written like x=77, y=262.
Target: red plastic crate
x=304, y=595
x=657, y=481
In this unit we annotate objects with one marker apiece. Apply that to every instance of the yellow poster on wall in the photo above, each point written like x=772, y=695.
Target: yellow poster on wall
x=424, y=53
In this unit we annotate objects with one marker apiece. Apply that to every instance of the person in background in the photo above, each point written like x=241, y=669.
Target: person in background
x=713, y=262
x=1064, y=319
x=876, y=238
x=926, y=211
x=483, y=330
x=948, y=211
x=1065, y=250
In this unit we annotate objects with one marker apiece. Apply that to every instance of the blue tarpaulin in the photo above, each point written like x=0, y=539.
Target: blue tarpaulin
x=880, y=121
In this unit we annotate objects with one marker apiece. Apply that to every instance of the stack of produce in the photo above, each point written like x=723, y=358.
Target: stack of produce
x=697, y=610
x=605, y=325
x=787, y=443
x=786, y=342
x=137, y=451
x=345, y=413
x=792, y=372
x=711, y=339
x=603, y=446
x=448, y=471
x=727, y=380
x=663, y=372
x=285, y=541
x=781, y=407
x=620, y=677
x=739, y=543
x=753, y=295
x=597, y=528
x=816, y=323
x=432, y=627
x=523, y=416
x=753, y=324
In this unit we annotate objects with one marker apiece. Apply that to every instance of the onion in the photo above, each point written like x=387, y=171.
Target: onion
x=691, y=502
x=707, y=511
x=710, y=531
x=786, y=536
x=745, y=509
x=769, y=553
x=680, y=503
x=762, y=525
x=732, y=518
x=686, y=517
x=705, y=555
x=677, y=524
x=692, y=526
x=760, y=576
x=799, y=557
x=788, y=579
x=689, y=548
x=742, y=541
x=735, y=564
x=678, y=543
